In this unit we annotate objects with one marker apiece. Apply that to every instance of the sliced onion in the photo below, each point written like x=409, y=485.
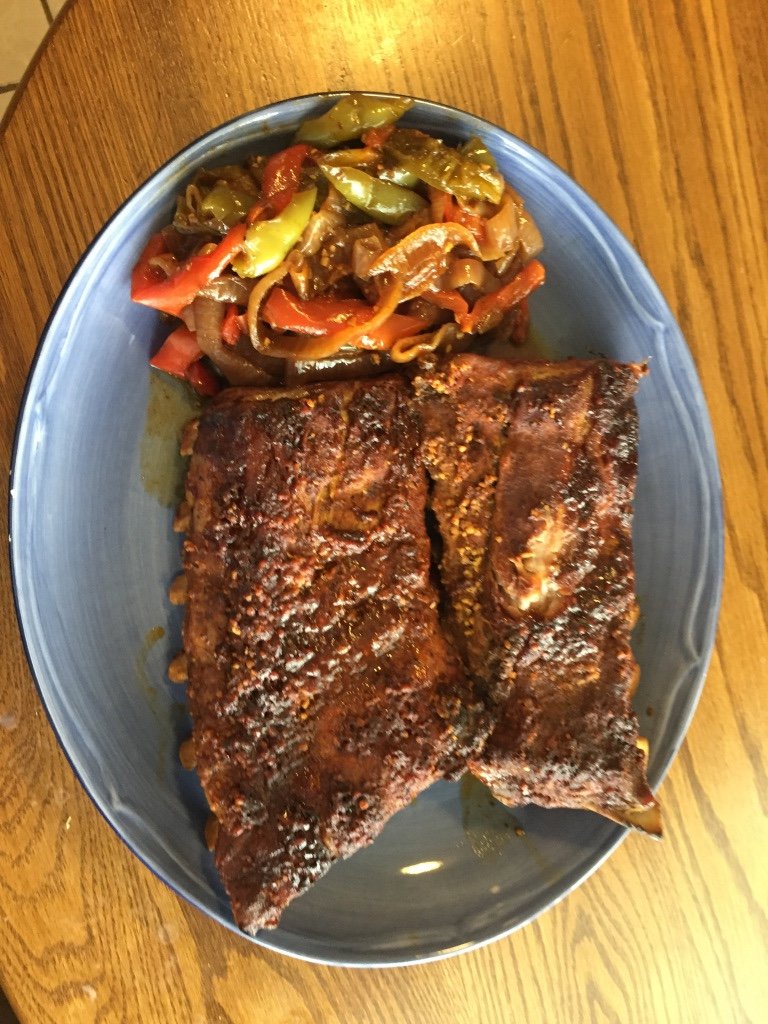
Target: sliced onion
x=328, y=219
x=470, y=271
x=193, y=198
x=165, y=263
x=208, y=314
x=187, y=315
x=229, y=288
x=531, y=242
x=502, y=231
x=506, y=266
x=405, y=350
x=303, y=278
x=320, y=226
x=345, y=365
x=238, y=370
x=259, y=338
x=421, y=258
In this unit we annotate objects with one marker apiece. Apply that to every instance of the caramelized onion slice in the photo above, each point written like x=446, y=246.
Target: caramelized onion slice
x=348, y=364
x=509, y=230
x=258, y=335
x=166, y=263
x=420, y=258
x=405, y=350
x=531, y=242
x=463, y=271
x=502, y=230
x=229, y=288
x=208, y=315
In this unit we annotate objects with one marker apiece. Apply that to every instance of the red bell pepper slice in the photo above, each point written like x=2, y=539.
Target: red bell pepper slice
x=180, y=356
x=326, y=314
x=445, y=208
x=320, y=315
x=520, y=287
x=256, y=212
x=177, y=353
x=399, y=325
x=453, y=212
x=281, y=176
x=143, y=274
x=203, y=380
x=174, y=293
x=230, y=326
x=452, y=300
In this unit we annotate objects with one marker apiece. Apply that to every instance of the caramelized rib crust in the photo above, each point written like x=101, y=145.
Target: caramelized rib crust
x=533, y=468
x=324, y=694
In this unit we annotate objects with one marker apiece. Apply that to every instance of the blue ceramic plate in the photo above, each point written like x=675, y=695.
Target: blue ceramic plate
x=93, y=554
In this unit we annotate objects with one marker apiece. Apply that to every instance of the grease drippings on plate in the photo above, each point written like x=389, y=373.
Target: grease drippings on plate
x=170, y=405
x=148, y=688
x=488, y=825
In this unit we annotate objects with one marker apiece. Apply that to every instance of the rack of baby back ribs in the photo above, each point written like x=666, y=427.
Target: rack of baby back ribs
x=329, y=684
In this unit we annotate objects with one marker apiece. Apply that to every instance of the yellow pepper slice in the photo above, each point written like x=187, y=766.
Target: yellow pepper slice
x=350, y=117
x=268, y=242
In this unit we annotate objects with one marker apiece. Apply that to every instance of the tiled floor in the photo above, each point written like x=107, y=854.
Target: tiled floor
x=23, y=23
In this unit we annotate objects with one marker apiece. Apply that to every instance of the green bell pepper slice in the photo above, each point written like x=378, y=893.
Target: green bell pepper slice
x=442, y=167
x=399, y=176
x=226, y=204
x=475, y=149
x=381, y=199
x=268, y=242
x=350, y=117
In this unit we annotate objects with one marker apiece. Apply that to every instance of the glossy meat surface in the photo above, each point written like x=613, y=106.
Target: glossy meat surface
x=324, y=694
x=533, y=468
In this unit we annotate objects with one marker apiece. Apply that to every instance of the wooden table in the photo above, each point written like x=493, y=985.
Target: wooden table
x=659, y=109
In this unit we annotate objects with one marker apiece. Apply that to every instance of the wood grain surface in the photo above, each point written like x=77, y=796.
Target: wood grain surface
x=660, y=110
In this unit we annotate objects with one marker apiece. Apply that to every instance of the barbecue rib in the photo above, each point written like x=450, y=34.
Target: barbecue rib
x=324, y=694
x=533, y=468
